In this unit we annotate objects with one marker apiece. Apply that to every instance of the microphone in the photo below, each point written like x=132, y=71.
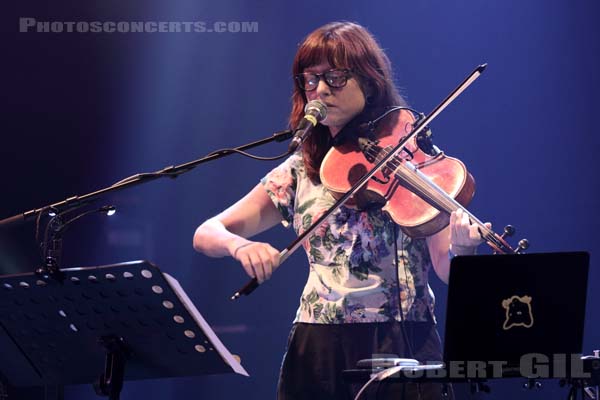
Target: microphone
x=314, y=112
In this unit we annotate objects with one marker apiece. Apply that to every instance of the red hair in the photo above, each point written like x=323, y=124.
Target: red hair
x=342, y=45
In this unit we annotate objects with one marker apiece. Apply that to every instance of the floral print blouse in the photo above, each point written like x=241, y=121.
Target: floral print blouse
x=353, y=277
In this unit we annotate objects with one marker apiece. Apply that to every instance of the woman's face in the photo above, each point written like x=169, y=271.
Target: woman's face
x=343, y=103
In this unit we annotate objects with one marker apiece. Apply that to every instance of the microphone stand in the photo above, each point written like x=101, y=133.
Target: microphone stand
x=167, y=172
x=422, y=123
x=74, y=202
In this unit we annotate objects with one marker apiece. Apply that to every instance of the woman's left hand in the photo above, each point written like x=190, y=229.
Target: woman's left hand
x=464, y=236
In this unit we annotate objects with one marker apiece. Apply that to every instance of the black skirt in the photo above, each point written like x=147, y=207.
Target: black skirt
x=317, y=354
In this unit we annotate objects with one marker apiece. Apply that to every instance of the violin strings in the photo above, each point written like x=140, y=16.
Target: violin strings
x=439, y=196
x=448, y=204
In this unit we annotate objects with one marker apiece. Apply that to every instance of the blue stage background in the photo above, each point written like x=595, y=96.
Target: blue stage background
x=81, y=111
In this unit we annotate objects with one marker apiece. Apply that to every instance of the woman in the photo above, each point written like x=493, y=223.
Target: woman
x=367, y=290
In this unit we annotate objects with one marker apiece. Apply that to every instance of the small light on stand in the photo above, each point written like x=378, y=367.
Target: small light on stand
x=109, y=210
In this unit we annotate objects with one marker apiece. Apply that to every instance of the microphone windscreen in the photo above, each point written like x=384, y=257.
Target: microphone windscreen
x=318, y=107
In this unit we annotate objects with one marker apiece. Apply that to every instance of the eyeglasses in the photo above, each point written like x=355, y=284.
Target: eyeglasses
x=335, y=78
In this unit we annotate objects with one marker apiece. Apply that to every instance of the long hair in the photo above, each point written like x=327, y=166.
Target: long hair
x=342, y=45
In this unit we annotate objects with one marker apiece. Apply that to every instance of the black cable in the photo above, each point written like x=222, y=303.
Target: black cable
x=411, y=353
x=395, y=228
x=37, y=231
x=248, y=154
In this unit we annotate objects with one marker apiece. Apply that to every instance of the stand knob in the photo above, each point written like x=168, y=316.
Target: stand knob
x=523, y=245
x=509, y=230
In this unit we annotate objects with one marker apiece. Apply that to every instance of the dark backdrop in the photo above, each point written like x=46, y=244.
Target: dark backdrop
x=81, y=111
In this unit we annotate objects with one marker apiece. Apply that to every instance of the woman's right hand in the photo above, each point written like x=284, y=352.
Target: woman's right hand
x=226, y=233
x=258, y=259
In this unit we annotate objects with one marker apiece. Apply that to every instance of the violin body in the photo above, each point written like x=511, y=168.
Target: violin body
x=401, y=187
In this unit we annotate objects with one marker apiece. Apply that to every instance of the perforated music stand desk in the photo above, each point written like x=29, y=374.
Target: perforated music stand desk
x=55, y=333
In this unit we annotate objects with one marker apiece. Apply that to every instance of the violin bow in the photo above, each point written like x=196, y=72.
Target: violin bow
x=421, y=124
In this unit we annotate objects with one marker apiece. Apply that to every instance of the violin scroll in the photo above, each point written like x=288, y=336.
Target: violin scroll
x=499, y=244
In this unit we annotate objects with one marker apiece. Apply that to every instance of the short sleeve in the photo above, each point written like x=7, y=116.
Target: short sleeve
x=281, y=184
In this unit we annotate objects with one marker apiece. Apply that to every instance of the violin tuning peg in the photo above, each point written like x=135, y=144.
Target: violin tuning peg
x=509, y=230
x=523, y=245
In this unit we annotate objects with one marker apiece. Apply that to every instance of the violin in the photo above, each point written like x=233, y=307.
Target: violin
x=419, y=190
x=419, y=187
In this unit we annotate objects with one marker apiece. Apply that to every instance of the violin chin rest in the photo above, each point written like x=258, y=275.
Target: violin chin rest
x=368, y=200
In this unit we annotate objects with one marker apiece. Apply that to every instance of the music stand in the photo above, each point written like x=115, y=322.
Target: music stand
x=104, y=325
x=506, y=307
